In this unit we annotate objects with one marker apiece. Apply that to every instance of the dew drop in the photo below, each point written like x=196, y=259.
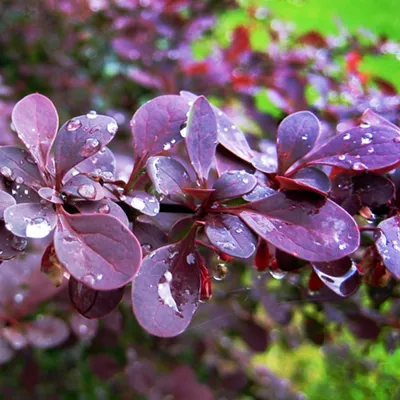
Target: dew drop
x=38, y=228
x=183, y=132
x=365, y=125
x=277, y=273
x=112, y=127
x=19, y=180
x=342, y=157
x=89, y=279
x=73, y=125
x=91, y=146
x=190, y=258
x=164, y=291
x=18, y=243
x=396, y=139
x=104, y=209
x=138, y=203
x=19, y=298
x=167, y=146
x=367, y=138
x=370, y=150
x=146, y=249
x=359, y=166
x=6, y=172
x=219, y=271
x=87, y=191
x=347, y=136
x=92, y=114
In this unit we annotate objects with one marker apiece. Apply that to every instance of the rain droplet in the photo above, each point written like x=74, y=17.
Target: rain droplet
x=304, y=137
x=396, y=139
x=19, y=298
x=277, y=273
x=347, y=136
x=6, y=172
x=365, y=125
x=87, y=191
x=112, y=127
x=164, y=291
x=342, y=157
x=38, y=228
x=167, y=146
x=367, y=138
x=92, y=114
x=88, y=279
x=18, y=243
x=138, y=203
x=146, y=249
x=19, y=180
x=370, y=150
x=73, y=125
x=91, y=146
x=219, y=271
x=104, y=209
x=190, y=258
x=359, y=166
x=183, y=132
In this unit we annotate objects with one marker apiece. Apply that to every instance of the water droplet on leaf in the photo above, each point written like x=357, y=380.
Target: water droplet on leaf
x=91, y=146
x=38, y=228
x=73, y=125
x=219, y=271
x=359, y=166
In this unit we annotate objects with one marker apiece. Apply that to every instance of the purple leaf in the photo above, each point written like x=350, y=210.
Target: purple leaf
x=165, y=292
x=93, y=303
x=226, y=161
x=10, y=245
x=201, y=194
x=97, y=249
x=388, y=244
x=150, y=236
x=230, y=235
x=297, y=135
x=169, y=178
x=101, y=164
x=47, y=332
x=310, y=178
x=201, y=137
x=360, y=149
x=81, y=138
x=233, y=184
x=18, y=165
x=6, y=200
x=31, y=220
x=258, y=193
x=82, y=187
x=229, y=135
x=305, y=225
x=369, y=118
x=156, y=126
x=35, y=119
x=51, y=195
x=341, y=276
x=265, y=163
x=104, y=206
x=143, y=202
x=181, y=228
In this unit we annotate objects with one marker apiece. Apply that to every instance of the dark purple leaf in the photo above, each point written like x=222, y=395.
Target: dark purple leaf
x=10, y=245
x=104, y=206
x=181, y=228
x=142, y=201
x=233, y=184
x=201, y=137
x=36, y=121
x=97, y=249
x=363, y=326
x=201, y=194
x=51, y=195
x=229, y=135
x=6, y=200
x=32, y=220
x=47, y=332
x=100, y=165
x=81, y=138
x=360, y=149
x=254, y=335
x=341, y=276
x=370, y=190
x=6, y=352
x=18, y=165
x=306, y=179
x=287, y=262
x=84, y=188
x=165, y=292
x=156, y=126
x=83, y=328
x=315, y=330
x=259, y=192
x=388, y=244
x=230, y=235
x=93, y=303
x=305, y=225
x=169, y=178
x=265, y=163
x=104, y=366
x=296, y=136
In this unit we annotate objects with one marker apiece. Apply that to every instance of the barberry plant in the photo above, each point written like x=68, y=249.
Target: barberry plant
x=197, y=190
